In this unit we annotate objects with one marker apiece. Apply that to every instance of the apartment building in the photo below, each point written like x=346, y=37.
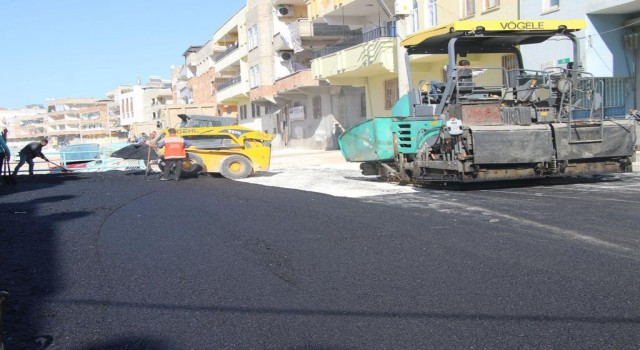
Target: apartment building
x=137, y=108
x=200, y=73
x=366, y=57
x=195, y=83
x=77, y=120
x=24, y=124
x=231, y=78
x=284, y=99
x=610, y=43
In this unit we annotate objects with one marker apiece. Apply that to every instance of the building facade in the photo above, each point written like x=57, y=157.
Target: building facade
x=285, y=99
x=195, y=85
x=610, y=44
x=24, y=124
x=138, y=108
x=77, y=120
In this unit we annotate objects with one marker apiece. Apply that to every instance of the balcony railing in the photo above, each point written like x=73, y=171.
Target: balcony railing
x=306, y=28
x=351, y=41
x=226, y=52
x=228, y=83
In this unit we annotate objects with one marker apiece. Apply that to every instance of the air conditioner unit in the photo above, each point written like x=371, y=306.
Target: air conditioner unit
x=404, y=7
x=284, y=10
x=286, y=55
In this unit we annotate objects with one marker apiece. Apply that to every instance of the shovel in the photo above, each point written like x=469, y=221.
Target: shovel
x=64, y=170
x=146, y=171
x=7, y=177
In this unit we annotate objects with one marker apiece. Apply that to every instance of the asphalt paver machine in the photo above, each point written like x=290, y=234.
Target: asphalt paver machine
x=494, y=123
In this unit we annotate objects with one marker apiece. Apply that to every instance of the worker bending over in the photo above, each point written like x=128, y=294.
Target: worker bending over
x=30, y=151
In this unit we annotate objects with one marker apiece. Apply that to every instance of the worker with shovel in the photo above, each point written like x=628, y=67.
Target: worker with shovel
x=30, y=151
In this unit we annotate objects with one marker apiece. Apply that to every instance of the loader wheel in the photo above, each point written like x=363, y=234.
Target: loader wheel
x=192, y=166
x=235, y=167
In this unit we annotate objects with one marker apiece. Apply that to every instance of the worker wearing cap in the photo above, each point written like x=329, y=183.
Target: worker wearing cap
x=30, y=151
x=174, y=154
x=142, y=139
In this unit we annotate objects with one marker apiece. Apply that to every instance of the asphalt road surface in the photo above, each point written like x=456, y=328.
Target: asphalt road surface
x=109, y=261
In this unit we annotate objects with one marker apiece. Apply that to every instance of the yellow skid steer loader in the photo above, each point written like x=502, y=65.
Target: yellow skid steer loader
x=218, y=146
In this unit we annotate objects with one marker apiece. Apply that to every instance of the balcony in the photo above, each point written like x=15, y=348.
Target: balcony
x=233, y=92
x=226, y=52
x=28, y=132
x=357, y=60
x=356, y=39
x=298, y=85
x=230, y=59
x=312, y=34
x=307, y=29
x=344, y=11
x=227, y=82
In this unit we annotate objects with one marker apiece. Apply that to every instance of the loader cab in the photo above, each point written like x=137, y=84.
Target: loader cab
x=204, y=121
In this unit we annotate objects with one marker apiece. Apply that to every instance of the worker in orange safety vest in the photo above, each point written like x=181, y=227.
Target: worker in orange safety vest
x=174, y=154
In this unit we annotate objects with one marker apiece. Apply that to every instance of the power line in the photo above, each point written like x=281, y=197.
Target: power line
x=611, y=30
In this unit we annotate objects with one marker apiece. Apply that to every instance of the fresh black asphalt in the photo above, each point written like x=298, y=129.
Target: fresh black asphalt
x=109, y=261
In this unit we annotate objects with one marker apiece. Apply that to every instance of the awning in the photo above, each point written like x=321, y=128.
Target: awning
x=488, y=36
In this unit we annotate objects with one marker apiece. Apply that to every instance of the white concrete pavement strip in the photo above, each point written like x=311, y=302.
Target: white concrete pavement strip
x=323, y=172
x=327, y=172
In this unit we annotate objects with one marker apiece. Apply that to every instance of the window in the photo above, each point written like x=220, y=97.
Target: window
x=243, y=112
x=390, y=93
x=431, y=19
x=415, y=25
x=550, y=5
x=363, y=105
x=317, y=107
x=468, y=8
x=252, y=37
x=391, y=28
x=489, y=4
x=254, y=76
x=256, y=110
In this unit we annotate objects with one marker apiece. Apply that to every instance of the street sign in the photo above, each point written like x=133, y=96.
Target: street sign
x=564, y=61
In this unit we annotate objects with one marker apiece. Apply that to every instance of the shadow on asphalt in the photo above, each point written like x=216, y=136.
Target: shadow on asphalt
x=355, y=313
x=27, y=247
x=127, y=343
x=265, y=174
x=493, y=185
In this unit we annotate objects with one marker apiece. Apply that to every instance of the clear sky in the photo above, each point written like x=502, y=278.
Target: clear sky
x=84, y=48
